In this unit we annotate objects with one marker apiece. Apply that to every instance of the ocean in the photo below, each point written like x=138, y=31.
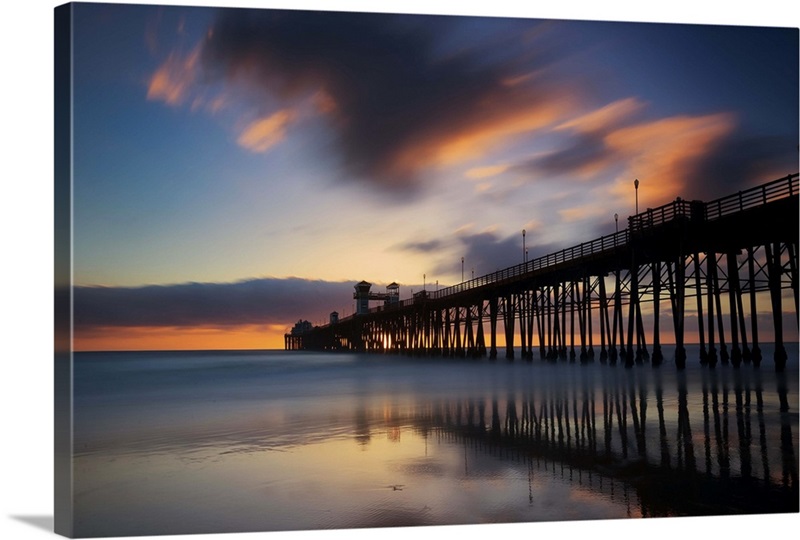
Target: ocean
x=241, y=441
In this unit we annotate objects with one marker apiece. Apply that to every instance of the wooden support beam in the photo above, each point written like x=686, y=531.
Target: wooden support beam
x=493, y=327
x=603, y=310
x=710, y=287
x=655, y=271
x=775, y=270
x=755, y=352
x=699, y=300
x=723, y=349
x=508, y=319
x=733, y=306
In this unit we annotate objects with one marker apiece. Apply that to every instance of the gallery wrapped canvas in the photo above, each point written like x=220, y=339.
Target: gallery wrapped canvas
x=342, y=270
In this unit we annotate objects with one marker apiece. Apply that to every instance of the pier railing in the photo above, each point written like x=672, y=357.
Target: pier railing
x=779, y=189
x=652, y=217
x=599, y=245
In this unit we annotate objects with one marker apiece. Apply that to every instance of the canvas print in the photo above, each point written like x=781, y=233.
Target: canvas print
x=342, y=270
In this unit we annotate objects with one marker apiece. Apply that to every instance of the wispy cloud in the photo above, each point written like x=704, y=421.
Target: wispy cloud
x=424, y=246
x=174, y=81
x=581, y=213
x=605, y=118
x=479, y=173
x=264, y=133
x=484, y=252
x=614, y=144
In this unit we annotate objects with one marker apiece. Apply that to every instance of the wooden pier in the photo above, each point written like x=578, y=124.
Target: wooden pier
x=687, y=259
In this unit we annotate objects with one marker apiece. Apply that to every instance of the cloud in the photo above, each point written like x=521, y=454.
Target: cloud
x=262, y=134
x=582, y=156
x=585, y=153
x=479, y=173
x=249, y=302
x=487, y=252
x=582, y=213
x=665, y=153
x=605, y=118
x=739, y=162
x=425, y=247
x=404, y=96
x=614, y=145
x=175, y=79
x=400, y=99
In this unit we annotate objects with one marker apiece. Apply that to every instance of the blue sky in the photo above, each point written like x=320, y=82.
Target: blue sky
x=227, y=146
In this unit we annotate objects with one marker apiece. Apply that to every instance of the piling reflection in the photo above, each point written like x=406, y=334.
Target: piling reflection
x=673, y=447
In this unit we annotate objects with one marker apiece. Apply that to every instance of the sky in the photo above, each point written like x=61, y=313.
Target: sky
x=237, y=170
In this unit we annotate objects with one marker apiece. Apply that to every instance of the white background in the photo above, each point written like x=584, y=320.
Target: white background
x=26, y=293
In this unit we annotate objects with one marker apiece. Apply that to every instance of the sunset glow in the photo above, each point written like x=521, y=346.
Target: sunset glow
x=161, y=338
x=236, y=171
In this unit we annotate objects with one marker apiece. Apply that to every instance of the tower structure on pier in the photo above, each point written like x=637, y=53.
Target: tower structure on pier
x=363, y=295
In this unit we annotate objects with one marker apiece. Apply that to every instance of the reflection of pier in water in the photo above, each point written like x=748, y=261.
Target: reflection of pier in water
x=625, y=437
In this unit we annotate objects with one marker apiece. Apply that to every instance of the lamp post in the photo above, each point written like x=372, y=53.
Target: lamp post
x=462, y=269
x=616, y=222
x=524, y=251
x=636, y=187
x=423, y=282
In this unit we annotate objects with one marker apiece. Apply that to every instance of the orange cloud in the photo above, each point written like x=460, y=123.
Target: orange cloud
x=474, y=141
x=610, y=115
x=478, y=134
x=264, y=133
x=479, y=173
x=580, y=213
x=217, y=104
x=173, y=80
x=483, y=187
x=662, y=154
x=324, y=102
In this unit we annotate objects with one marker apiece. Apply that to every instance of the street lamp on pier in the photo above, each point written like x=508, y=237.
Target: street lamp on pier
x=524, y=251
x=462, y=269
x=636, y=187
x=616, y=222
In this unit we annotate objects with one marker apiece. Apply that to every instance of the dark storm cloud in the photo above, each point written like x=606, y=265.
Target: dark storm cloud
x=582, y=151
x=486, y=253
x=393, y=91
x=740, y=162
x=429, y=246
x=256, y=301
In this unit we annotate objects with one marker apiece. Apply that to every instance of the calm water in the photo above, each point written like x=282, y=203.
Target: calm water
x=173, y=443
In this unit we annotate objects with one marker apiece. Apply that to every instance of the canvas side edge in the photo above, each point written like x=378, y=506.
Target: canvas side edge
x=63, y=144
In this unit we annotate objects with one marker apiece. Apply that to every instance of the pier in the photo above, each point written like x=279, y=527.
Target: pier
x=614, y=297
